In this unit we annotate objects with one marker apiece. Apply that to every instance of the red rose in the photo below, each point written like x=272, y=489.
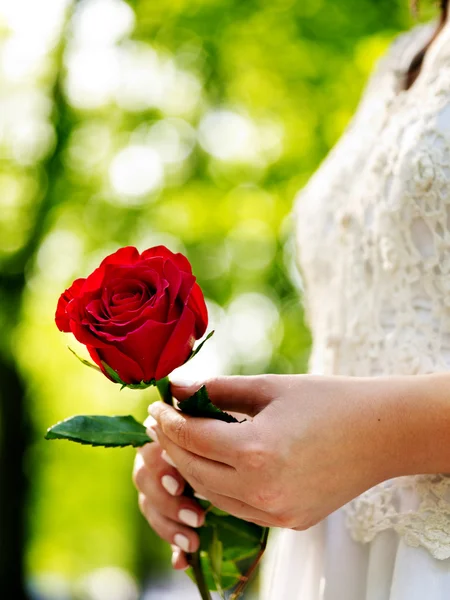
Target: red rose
x=138, y=313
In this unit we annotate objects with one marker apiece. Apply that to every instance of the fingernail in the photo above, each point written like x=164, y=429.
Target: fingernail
x=167, y=458
x=189, y=517
x=152, y=434
x=181, y=541
x=150, y=422
x=152, y=409
x=200, y=497
x=176, y=555
x=170, y=484
x=183, y=382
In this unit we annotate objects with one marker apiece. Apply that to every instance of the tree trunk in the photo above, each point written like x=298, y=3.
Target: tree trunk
x=13, y=481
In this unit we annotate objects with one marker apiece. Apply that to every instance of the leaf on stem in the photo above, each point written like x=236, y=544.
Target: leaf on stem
x=199, y=405
x=111, y=432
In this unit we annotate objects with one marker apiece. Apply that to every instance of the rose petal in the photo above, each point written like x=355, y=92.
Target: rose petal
x=179, y=346
x=197, y=304
x=123, y=256
x=144, y=345
x=61, y=316
x=127, y=369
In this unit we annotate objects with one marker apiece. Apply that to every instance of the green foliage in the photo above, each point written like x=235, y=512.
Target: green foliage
x=99, y=430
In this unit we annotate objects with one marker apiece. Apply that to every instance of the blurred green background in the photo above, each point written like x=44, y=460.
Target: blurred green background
x=191, y=123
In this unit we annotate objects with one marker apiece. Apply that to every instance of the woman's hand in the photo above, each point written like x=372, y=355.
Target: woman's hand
x=311, y=444
x=168, y=512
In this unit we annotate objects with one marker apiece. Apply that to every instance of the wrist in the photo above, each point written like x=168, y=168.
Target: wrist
x=414, y=423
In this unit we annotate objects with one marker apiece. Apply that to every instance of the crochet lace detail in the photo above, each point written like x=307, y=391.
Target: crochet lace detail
x=373, y=232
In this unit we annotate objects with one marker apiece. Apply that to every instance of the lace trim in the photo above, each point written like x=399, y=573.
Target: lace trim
x=373, y=228
x=386, y=507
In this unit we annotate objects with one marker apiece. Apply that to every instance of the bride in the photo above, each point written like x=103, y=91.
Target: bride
x=351, y=462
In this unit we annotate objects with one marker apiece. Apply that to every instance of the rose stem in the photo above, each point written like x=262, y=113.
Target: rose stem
x=196, y=565
x=193, y=558
x=246, y=578
x=163, y=386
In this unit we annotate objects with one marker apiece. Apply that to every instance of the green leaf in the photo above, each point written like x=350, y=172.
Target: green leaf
x=199, y=405
x=100, y=430
x=215, y=554
x=240, y=539
x=230, y=573
x=84, y=361
x=199, y=347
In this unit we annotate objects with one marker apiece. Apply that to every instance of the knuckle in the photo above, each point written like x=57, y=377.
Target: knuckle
x=192, y=473
x=255, y=456
x=268, y=500
x=181, y=432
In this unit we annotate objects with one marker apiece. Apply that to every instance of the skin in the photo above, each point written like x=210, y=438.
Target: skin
x=310, y=444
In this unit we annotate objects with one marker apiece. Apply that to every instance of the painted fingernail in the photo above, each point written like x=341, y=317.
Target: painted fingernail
x=200, y=497
x=176, y=553
x=181, y=541
x=152, y=409
x=150, y=422
x=183, y=382
x=152, y=434
x=167, y=458
x=170, y=484
x=189, y=517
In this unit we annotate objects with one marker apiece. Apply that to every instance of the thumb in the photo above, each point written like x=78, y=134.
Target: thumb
x=247, y=395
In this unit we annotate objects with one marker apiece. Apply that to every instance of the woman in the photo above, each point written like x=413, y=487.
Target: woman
x=342, y=459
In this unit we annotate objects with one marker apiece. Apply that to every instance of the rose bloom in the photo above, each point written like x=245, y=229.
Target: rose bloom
x=138, y=313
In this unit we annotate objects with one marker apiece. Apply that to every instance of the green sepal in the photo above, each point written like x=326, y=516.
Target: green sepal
x=84, y=361
x=199, y=405
x=199, y=347
x=142, y=385
x=99, y=430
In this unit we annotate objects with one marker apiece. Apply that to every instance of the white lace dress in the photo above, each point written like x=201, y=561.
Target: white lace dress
x=373, y=229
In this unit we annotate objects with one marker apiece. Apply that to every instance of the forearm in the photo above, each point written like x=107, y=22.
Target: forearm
x=416, y=414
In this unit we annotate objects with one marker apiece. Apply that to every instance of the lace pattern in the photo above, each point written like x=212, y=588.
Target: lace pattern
x=373, y=231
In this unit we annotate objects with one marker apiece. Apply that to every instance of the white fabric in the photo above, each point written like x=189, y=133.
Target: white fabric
x=373, y=231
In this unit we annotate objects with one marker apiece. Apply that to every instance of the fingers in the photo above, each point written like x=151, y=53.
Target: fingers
x=240, y=509
x=175, y=533
x=248, y=395
x=179, y=560
x=158, y=469
x=209, y=438
x=198, y=471
x=177, y=508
